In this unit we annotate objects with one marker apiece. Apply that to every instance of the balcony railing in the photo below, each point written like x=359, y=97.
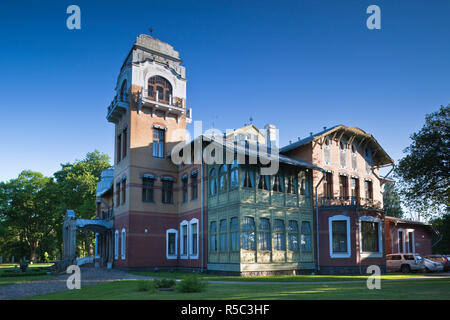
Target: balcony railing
x=349, y=201
x=166, y=105
x=107, y=214
x=117, y=108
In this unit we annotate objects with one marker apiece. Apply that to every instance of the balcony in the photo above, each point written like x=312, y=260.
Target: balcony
x=117, y=109
x=167, y=106
x=349, y=201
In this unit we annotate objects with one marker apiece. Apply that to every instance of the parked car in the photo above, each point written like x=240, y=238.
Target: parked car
x=432, y=266
x=440, y=258
x=404, y=262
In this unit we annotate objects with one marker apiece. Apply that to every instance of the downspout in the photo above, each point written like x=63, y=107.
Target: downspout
x=317, y=222
x=201, y=215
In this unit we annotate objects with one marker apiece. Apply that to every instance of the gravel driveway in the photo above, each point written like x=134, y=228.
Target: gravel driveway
x=89, y=276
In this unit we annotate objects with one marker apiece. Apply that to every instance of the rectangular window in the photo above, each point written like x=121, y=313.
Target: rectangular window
x=172, y=244
x=369, y=236
x=213, y=237
x=400, y=242
x=248, y=178
x=369, y=190
x=264, y=182
x=292, y=186
x=147, y=189
x=124, y=194
x=339, y=232
x=167, y=191
x=343, y=187
x=194, y=186
x=306, y=236
x=117, y=194
x=194, y=231
x=279, y=235
x=293, y=235
x=411, y=241
x=234, y=233
x=355, y=189
x=248, y=234
x=158, y=143
x=264, y=239
x=185, y=189
x=223, y=236
x=124, y=143
x=328, y=185
x=119, y=147
x=184, y=237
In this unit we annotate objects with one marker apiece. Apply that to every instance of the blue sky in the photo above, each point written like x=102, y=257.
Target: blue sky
x=300, y=65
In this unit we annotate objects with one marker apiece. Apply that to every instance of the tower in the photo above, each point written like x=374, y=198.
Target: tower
x=150, y=116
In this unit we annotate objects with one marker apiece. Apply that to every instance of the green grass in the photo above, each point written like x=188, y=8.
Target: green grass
x=430, y=289
x=298, y=278
x=14, y=280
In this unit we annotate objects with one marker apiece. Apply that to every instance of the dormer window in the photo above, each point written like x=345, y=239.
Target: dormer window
x=159, y=89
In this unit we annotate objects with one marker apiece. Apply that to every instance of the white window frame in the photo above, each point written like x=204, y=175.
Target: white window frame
x=171, y=231
x=116, y=245
x=191, y=222
x=123, y=243
x=184, y=255
x=408, y=231
x=378, y=254
x=398, y=240
x=330, y=235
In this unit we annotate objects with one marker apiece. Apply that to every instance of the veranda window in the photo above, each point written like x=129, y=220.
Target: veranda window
x=248, y=234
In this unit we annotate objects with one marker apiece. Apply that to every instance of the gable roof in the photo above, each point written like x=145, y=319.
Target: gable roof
x=382, y=158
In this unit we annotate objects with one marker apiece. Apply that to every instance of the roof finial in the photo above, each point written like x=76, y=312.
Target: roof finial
x=251, y=120
x=151, y=31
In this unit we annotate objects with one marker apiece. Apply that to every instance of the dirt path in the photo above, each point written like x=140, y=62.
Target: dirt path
x=89, y=276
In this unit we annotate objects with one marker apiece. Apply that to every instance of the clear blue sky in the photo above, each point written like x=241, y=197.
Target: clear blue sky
x=300, y=65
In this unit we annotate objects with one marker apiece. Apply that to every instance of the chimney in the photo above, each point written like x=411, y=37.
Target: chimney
x=310, y=134
x=271, y=136
x=298, y=138
x=324, y=128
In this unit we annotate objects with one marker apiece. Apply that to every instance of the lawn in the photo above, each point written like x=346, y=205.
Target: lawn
x=19, y=279
x=432, y=289
x=297, y=278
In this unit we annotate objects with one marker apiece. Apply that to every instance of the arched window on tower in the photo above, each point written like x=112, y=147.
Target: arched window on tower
x=159, y=89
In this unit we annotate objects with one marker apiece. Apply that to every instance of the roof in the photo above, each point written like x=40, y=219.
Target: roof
x=106, y=182
x=252, y=151
x=406, y=221
x=382, y=157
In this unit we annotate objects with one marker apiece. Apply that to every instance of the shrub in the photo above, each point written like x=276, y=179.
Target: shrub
x=165, y=283
x=24, y=265
x=146, y=285
x=191, y=284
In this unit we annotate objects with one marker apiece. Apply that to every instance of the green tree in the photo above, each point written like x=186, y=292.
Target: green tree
x=28, y=205
x=424, y=173
x=77, y=183
x=391, y=200
x=442, y=224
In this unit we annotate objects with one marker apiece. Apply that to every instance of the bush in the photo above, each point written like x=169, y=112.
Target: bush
x=146, y=285
x=191, y=284
x=165, y=283
x=24, y=265
x=15, y=273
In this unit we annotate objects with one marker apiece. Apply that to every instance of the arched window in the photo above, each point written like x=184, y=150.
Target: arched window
x=223, y=175
x=159, y=89
x=212, y=182
x=354, y=157
x=124, y=92
x=327, y=151
x=116, y=244
x=343, y=152
x=234, y=175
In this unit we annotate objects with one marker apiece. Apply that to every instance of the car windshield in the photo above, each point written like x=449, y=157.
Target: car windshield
x=419, y=257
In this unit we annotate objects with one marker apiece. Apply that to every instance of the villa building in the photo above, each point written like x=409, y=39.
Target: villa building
x=320, y=211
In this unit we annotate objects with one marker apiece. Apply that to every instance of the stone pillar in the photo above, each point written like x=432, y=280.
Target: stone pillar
x=69, y=237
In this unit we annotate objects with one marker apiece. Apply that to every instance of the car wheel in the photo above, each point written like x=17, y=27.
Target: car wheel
x=405, y=268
